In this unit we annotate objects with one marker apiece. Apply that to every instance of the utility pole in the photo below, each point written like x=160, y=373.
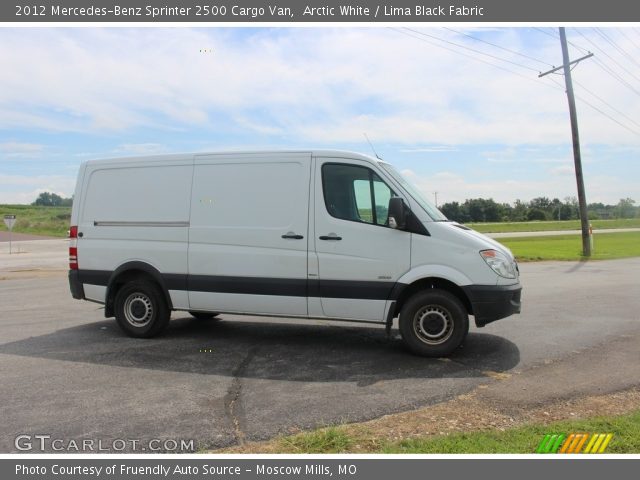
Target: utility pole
x=577, y=160
x=435, y=194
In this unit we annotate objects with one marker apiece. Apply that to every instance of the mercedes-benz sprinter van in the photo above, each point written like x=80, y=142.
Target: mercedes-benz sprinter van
x=303, y=234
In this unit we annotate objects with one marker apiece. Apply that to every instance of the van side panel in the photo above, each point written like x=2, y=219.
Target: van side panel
x=243, y=207
x=134, y=212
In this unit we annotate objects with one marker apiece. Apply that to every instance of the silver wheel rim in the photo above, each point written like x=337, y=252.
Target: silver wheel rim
x=138, y=309
x=433, y=324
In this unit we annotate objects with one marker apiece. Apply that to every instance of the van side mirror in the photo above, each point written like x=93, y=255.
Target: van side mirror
x=397, y=213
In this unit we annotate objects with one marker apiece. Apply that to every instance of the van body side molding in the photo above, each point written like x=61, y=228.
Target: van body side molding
x=288, y=287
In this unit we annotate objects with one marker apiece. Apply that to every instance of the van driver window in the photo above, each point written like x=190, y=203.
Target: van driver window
x=355, y=193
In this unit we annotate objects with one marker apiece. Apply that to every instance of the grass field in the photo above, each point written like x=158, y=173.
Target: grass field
x=50, y=221
x=524, y=439
x=556, y=225
x=626, y=439
x=606, y=246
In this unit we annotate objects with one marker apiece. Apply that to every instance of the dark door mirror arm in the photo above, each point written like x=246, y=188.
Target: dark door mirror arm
x=397, y=213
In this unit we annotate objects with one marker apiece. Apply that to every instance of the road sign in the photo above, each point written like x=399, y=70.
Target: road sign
x=9, y=220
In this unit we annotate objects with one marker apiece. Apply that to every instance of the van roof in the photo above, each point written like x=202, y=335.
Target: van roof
x=177, y=156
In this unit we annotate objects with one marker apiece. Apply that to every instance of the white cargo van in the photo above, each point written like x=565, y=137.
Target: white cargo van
x=304, y=234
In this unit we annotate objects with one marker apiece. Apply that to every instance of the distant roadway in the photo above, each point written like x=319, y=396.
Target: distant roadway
x=550, y=233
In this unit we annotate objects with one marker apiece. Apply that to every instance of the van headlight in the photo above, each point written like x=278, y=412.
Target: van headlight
x=499, y=263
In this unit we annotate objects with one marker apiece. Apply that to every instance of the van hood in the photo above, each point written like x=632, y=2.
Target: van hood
x=464, y=231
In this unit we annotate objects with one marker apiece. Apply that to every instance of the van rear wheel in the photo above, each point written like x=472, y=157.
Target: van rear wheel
x=203, y=315
x=141, y=309
x=433, y=323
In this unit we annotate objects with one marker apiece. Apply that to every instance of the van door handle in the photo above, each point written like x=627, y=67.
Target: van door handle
x=293, y=236
x=331, y=236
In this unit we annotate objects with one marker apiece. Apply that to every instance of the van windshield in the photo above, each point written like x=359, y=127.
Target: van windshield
x=428, y=207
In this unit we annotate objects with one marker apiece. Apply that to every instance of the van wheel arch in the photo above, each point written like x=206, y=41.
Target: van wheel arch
x=431, y=283
x=130, y=272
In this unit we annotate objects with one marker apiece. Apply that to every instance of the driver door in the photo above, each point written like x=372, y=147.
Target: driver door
x=359, y=257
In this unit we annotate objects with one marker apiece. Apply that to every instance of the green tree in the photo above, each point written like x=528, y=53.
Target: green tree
x=565, y=211
x=600, y=210
x=454, y=211
x=625, y=208
x=541, y=203
x=570, y=208
x=48, y=199
x=491, y=211
x=475, y=208
x=483, y=210
x=506, y=212
x=519, y=212
x=536, y=214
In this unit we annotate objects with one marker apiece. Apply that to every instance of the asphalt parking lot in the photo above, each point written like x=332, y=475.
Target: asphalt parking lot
x=70, y=373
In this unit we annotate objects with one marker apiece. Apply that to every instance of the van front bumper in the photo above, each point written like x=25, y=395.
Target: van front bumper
x=493, y=302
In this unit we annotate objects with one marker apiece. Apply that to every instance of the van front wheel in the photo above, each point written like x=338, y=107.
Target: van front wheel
x=433, y=323
x=141, y=309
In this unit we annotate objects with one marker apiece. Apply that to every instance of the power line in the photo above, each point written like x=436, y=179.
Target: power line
x=616, y=76
x=556, y=87
x=457, y=52
x=635, y=132
x=545, y=32
x=555, y=36
x=621, y=30
x=470, y=49
x=498, y=46
x=606, y=103
x=609, y=40
x=593, y=93
x=614, y=45
x=600, y=111
x=607, y=55
x=590, y=105
x=610, y=71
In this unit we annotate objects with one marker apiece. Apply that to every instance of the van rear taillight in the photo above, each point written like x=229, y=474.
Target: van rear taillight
x=73, y=248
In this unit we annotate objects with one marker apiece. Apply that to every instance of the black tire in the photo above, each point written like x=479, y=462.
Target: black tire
x=141, y=309
x=433, y=323
x=203, y=315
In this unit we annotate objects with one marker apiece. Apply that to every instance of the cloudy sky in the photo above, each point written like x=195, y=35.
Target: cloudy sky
x=462, y=112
